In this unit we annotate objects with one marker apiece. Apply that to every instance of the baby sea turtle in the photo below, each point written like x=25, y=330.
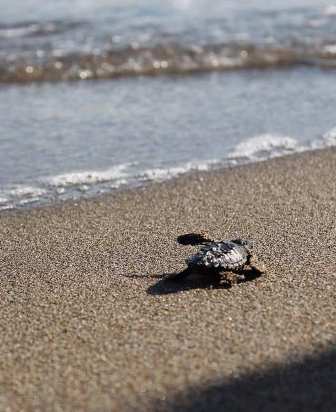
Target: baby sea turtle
x=229, y=261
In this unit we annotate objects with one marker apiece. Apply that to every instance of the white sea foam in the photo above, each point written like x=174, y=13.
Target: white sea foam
x=87, y=183
x=330, y=48
x=265, y=146
x=8, y=206
x=22, y=191
x=29, y=200
x=16, y=31
x=160, y=174
x=330, y=10
x=20, y=194
x=327, y=140
x=88, y=177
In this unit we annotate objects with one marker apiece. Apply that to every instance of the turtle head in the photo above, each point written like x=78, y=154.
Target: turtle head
x=248, y=244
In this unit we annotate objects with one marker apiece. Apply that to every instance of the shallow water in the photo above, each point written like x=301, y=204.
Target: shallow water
x=62, y=139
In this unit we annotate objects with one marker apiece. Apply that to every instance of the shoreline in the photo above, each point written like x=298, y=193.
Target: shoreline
x=130, y=188
x=88, y=324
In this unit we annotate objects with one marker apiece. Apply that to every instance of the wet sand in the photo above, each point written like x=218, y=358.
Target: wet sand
x=87, y=324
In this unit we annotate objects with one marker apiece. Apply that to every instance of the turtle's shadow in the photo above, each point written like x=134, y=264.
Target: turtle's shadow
x=169, y=285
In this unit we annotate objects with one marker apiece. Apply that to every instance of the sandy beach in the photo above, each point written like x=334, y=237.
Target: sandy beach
x=88, y=324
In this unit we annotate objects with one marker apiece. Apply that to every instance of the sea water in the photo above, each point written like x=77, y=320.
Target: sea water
x=105, y=94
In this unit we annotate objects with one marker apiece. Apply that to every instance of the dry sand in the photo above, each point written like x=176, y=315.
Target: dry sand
x=85, y=326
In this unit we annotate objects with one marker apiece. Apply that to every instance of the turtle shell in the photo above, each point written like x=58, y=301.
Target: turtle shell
x=224, y=255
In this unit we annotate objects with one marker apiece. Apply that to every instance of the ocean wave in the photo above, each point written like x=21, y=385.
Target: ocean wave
x=330, y=10
x=78, y=184
x=265, y=146
x=160, y=59
x=19, y=195
x=35, y=28
x=327, y=140
x=159, y=174
x=24, y=191
x=120, y=175
x=116, y=173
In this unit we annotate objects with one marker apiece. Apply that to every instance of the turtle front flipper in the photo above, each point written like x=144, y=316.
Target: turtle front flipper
x=256, y=265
